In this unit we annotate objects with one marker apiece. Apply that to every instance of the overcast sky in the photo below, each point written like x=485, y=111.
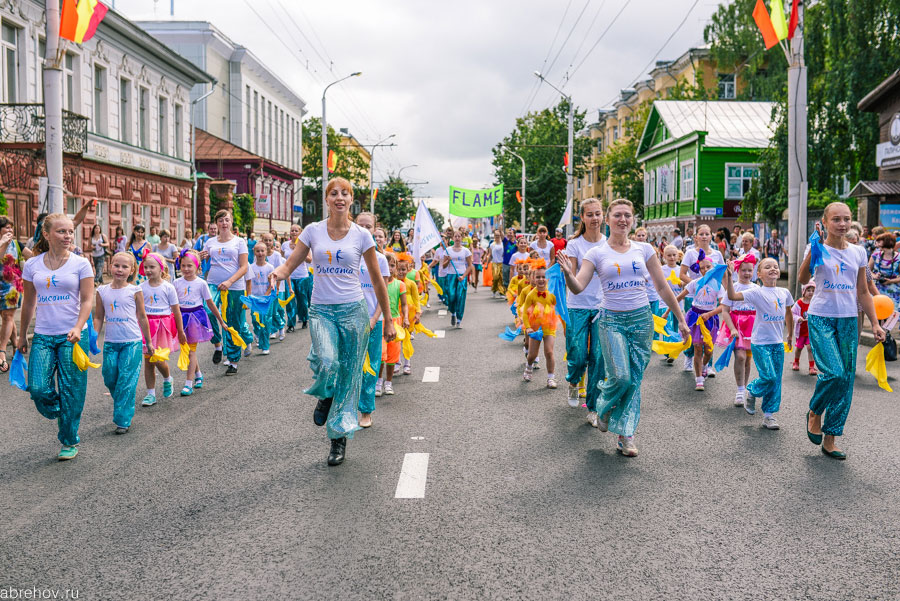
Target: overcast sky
x=448, y=78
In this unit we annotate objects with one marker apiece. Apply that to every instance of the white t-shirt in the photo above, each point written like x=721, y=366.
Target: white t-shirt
x=120, y=313
x=336, y=263
x=366, y=282
x=159, y=300
x=543, y=252
x=707, y=298
x=517, y=256
x=193, y=293
x=836, y=282
x=224, y=260
x=301, y=272
x=497, y=252
x=286, y=248
x=259, y=278
x=743, y=305
x=770, y=304
x=58, y=293
x=276, y=260
x=690, y=257
x=623, y=276
x=667, y=271
x=439, y=257
x=652, y=294
x=592, y=296
x=458, y=260
x=97, y=250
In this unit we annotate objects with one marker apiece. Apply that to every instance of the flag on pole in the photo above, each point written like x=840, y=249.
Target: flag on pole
x=519, y=196
x=375, y=194
x=425, y=233
x=795, y=19
x=778, y=21
x=764, y=22
x=566, y=216
x=332, y=160
x=78, y=22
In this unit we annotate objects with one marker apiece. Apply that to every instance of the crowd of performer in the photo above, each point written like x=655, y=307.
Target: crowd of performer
x=615, y=298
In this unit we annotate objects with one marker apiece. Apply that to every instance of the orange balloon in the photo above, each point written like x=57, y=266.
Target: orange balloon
x=884, y=306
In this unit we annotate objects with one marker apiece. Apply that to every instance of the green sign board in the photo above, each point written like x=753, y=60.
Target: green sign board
x=476, y=203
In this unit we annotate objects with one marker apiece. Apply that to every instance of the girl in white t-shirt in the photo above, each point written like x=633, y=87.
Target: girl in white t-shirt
x=543, y=246
x=702, y=249
x=831, y=317
x=228, y=265
x=739, y=317
x=584, y=359
x=626, y=323
x=196, y=307
x=339, y=318
x=703, y=318
x=300, y=284
x=457, y=262
x=773, y=319
x=522, y=251
x=265, y=324
x=166, y=329
x=278, y=313
x=120, y=305
x=496, y=253
x=670, y=268
x=59, y=295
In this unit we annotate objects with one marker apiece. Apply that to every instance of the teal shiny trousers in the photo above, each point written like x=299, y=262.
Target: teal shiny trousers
x=338, y=335
x=769, y=362
x=57, y=387
x=121, y=372
x=373, y=347
x=583, y=352
x=625, y=339
x=833, y=342
x=298, y=309
x=235, y=317
x=262, y=331
x=456, y=292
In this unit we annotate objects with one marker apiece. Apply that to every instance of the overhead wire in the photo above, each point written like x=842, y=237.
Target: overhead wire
x=537, y=84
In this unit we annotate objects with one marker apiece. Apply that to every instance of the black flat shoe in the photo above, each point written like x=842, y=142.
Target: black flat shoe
x=303, y=327
x=338, y=447
x=290, y=329
x=839, y=455
x=217, y=356
x=816, y=439
x=321, y=412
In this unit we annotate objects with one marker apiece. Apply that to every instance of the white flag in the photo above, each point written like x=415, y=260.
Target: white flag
x=566, y=216
x=425, y=233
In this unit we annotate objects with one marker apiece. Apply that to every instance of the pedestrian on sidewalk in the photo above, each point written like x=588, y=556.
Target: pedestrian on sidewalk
x=99, y=245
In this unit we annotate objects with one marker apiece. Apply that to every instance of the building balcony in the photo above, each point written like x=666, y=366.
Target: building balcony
x=25, y=124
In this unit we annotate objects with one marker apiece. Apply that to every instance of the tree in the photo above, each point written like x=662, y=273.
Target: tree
x=394, y=203
x=244, y=212
x=620, y=163
x=540, y=138
x=438, y=219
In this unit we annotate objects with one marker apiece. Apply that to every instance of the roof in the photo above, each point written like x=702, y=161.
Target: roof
x=722, y=123
x=210, y=147
x=875, y=96
x=875, y=188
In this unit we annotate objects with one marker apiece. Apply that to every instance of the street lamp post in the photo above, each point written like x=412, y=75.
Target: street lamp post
x=402, y=168
x=570, y=179
x=325, y=141
x=194, y=159
x=372, y=171
x=523, y=184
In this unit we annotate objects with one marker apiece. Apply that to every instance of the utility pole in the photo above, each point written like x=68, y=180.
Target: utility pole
x=372, y=171
x=798, y=186
x=570, y=177
x=325, y=141
x=523, y=185
x=53, y=112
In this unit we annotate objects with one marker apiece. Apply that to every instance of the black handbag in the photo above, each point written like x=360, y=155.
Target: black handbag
x=890, y=347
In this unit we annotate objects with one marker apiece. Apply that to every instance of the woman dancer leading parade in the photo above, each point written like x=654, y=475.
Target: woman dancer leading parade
x=583, y=334
x=228, y=265
x=457, y=278
x=339, y=319
x=59, y=294
x=626, y=323
x=841, y=279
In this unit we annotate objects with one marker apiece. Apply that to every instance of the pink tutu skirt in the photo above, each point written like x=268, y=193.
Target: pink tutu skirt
x=196, y=325
x=163, y=332
x=743, y=321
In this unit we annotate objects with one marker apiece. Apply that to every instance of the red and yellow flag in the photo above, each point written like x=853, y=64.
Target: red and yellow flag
x=764, y=22
x=519, y=196
x=78, y=22
x=375, y=194
x=332, y=159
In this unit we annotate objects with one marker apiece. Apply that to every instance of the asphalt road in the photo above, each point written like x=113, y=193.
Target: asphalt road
x=226, y=494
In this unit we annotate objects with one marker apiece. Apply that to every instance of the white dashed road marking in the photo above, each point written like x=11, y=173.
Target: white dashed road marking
x=442, y=313
x=413, y=476
x=432, y=374
x=440, y=333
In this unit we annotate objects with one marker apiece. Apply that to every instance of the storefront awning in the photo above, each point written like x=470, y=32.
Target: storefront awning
x=875, y=188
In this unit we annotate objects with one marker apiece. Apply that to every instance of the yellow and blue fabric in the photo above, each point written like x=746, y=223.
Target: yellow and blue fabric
x=725, y=358
x=456, y=290
x=18, y=372
x=556, y=284
x=817, y=252
x=121, y=372
x=583, y=353
x=510, y=334
x=56, y=385
x=92, y=335
x=298, y=310
x=875, y=365
x=373, y=350
x=210, y=318
x=703, y=329
x=625, y=339
x=338, y=334
x=263, y=315
x=833, y=344
x=81, y=359
x=769, y=362
x=238, y=335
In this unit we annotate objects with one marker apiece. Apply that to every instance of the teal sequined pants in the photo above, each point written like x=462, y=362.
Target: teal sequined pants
x=298, y=309
x=121, y=372
x=338, y=334
x=456, y=295
x=583, y=352
x=235, y=317
x=769, y=362
x=367, y=397
x=625, y=339
x=57, y=387
x=833, y=342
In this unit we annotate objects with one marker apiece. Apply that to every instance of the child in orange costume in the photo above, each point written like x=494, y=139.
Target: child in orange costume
x=539, y=315
x=390, y=353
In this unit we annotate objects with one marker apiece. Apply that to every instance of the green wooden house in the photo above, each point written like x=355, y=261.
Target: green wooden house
x=699, y=158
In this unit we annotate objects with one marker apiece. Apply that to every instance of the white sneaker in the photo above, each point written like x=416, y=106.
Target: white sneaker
x=246, y=351
x=537, y=365
x=273, y=336
x=593, y=419
x=281, y=334
x=738, y=399
x=710, y=372
x=527, y=375
x=265, y=352
x=379, y=389
x=551, y=383
x=388, y=388
x=625, y=445
x=688, y=364
x=750, y=404
x=770, y=423
x=573, y=396
x=407, y=370
x=603, y=422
